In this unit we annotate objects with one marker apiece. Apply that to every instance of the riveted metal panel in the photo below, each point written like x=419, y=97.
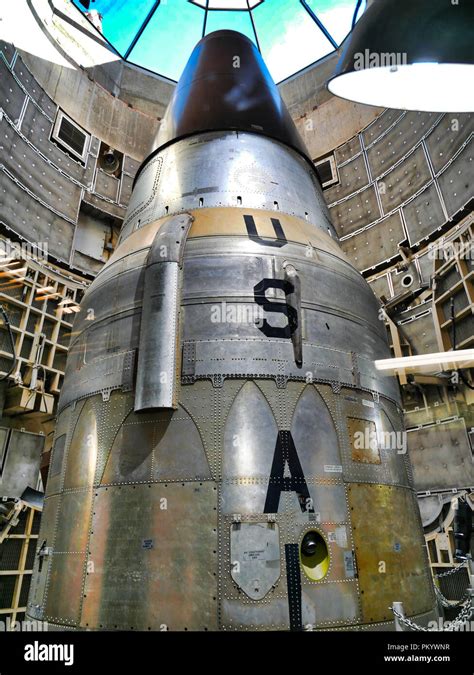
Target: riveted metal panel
x=126, y=184
x=368, y=453
x=205, y=277
x=33, y=221
x=314, y=434
x=380, y=125
x=57, y=464
x=456, y=181
x=42, y=564
x=380, y=286
x=102, y=375
x=241, y=617
x=420, y=333
x=7, y=50
x=240, y=170
x=82, y=452
x=208, y=406
x=441, y=456
x=63, y=598
x=162, y=573
x=423, y=215
x=274, y=390
x=21, y=465
x=41, y=178
x=326, y=605
x=130, y=165
x=178, y=450
x=376, y=244
x=243, y=495
x=72, y=530
x=448, y=136
x=395, y=542
x=270, y=358
x=255, y=555
x=35, y=91
x=111, y=208
x=390, y=441
x=352, y=177
x=406, y=133
x=250, y=436
x=345, y=152
x=11, y=94
x=106, y=185
x=404, y=180
x=130, y=456
x=355, y=212
x=36, y=127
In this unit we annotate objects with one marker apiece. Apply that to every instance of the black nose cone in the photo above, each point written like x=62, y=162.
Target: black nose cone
x=226, y=86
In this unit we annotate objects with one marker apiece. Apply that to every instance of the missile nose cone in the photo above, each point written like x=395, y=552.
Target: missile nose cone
x=226, y=86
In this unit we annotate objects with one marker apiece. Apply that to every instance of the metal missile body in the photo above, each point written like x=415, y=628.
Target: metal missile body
x=207, y=472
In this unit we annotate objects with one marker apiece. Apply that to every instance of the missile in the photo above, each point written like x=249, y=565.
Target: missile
x=226, y=455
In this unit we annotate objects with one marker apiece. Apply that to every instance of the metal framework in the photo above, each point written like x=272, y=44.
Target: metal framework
x=16, y=565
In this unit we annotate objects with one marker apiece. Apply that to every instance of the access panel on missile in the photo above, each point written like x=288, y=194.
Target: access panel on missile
x=220, y=459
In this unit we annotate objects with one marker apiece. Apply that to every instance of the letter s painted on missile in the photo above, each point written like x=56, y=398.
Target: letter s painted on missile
x=278, y=307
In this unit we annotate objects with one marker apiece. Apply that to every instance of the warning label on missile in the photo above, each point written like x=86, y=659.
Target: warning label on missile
x=333, y=468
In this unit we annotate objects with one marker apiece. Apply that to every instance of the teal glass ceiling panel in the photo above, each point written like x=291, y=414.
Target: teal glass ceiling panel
x=160, y=34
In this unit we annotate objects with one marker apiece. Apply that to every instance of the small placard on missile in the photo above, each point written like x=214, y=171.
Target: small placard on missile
x=367, y=403
x=333, y=468
x=349, y=564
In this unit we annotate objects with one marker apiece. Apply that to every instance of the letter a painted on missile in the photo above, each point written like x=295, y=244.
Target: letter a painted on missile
x=286, y=459
x=280, y=240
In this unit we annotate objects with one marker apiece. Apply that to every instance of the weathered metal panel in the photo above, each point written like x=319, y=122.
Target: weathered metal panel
x=404, y=180
x=162, y=573
x=53, y=188
x=376, y=244
x=20, y=463
x=12, y=97
x=448, y=136
x=106, y=185
x=407, y=132
x=355, y=212
x=423, y=215
x=441, y=456
x=348, y=150
x=380, y=125
x=33, y=221
x=390, y=551
x=352, y=177
x=456, y=181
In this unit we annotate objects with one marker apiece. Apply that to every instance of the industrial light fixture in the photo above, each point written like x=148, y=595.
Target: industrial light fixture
x=410, y=55
x=463, y=358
